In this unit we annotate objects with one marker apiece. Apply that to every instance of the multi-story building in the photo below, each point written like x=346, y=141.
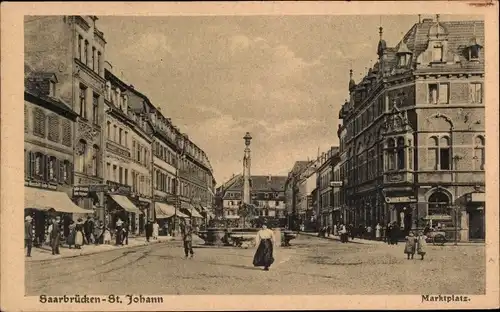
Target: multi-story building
x=48, y=151
x=73, y=48
x=328, y=213
x=415, y=134
x=305, y=186
x=267, y=195
x=128, y=157
x=291, y=191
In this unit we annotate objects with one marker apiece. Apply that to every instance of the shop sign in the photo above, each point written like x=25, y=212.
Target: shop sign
x=43, y=185
x=401, y=199
x=83, y=190
x=117, y=150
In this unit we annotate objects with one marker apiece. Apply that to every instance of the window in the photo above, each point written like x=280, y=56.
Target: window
x=391, y=155
x=98, y=62
x=479, y=158
x=120, y=136
x=439, y=155
x=402, y=60
x=120, y=175
x=51, y=169
x=38, y=166
x=401, y=153
x=66, y=172
x=139, y=150
x=86, y=53
x=476, y=93
x=438, y=93
x=474, y=52
x=438, y=204
x=93, y=58
x=437, y=54
x=80, y=55
x=38, y=122
x=95, y=161
x=67, y=138
x=95, y=109
x=108, y=129
x=133, y=149
x=54, y=128
x=52, y=88
x=114, y=132
x=108, y=171
x=126, y=139
x=114, y=178
x=83, y=101
x=81, y=155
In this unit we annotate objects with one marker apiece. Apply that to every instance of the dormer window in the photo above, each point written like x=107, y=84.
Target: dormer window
x=474, y=52
x=437, y=53
x=52, y=88
x=402, y=60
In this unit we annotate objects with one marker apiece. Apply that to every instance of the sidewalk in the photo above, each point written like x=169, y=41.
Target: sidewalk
x=369, y=241
x=45, y=253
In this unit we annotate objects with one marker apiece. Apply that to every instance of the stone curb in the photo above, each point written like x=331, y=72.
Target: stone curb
x=93, y=252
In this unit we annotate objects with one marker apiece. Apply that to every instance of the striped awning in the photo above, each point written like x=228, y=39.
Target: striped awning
x=40, y=199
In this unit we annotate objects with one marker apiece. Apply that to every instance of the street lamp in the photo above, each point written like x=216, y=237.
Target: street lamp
x=455, y=207
x=180, y=140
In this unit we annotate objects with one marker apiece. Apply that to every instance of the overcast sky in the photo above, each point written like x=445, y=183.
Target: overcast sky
x=282, y=78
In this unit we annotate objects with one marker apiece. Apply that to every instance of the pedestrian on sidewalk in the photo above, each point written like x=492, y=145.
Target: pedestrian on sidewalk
x=352, y=231
x=70, y=240
x=55, y=235
x=378, y=230
x=156, y=230
x=88, y=228
x=79, y=234
x=98, y=231
x=119, y=231
x=395, y=233
x=369, y=232
x=343, y=233
x=388, y=234
x=107, y=237
x=410, y=245
x=187, y=238
x=335, y=230
x=149, y=230
x=28, y=235
x=125, y=233
x=421, y=245
x=264, y=253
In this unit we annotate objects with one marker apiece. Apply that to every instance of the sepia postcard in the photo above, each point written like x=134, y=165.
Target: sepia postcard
x=249, y=156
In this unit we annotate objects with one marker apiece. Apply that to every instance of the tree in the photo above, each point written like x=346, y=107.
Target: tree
x=246, y=210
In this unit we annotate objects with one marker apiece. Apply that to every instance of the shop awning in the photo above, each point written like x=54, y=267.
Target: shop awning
x=41, y=199
x=164, y=211
x=195, y=214
x=125, y=203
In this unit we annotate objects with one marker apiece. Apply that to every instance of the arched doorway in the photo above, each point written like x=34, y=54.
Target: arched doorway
x=438, y=203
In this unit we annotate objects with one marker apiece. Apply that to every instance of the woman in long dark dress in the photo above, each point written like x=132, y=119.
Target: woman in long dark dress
x=264, y=254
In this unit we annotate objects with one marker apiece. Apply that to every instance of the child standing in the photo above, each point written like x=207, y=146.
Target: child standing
x=421, y=245
x=411, y=241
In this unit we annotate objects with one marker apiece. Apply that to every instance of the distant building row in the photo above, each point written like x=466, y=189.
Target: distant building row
x=97, y=139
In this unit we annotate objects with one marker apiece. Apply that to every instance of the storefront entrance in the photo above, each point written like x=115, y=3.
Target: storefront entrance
x=476, y=223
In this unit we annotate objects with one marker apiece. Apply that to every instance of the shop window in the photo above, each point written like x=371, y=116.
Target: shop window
x=439, y=203
x=479, y=149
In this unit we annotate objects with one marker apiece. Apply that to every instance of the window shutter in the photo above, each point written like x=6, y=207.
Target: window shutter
x=26, y=164
x=471, y=93
x=43, y=167
x=31, y=164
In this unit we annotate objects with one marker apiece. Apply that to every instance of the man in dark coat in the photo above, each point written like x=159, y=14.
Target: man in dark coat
x=28, y=235
x=149, y=230
x=187, y=238
x=88, y=228
x=55, y=234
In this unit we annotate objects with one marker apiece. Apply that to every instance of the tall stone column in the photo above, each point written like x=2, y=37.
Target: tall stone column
x=246, y=169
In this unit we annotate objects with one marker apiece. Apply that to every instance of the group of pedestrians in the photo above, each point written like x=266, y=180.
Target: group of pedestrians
x=416, y=244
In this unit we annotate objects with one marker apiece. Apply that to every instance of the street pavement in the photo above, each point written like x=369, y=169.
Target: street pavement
x=311, y=266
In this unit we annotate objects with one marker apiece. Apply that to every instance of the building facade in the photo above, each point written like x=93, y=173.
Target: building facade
x=291, y=193
x=128, y=157
x=414, y=135
x=48, y=153
x=74, y=48
x=267, y=196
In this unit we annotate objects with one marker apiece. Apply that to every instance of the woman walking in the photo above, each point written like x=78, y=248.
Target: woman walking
x=378, y=230
x=421, y=245
x=70, y=240
x=79, y=234
x=411, y=241
x=156, y=230
x=98, y=231
x=264, y=254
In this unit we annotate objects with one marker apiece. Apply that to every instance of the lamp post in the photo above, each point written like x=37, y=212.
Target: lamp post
x=180, y=153
x=455, y=207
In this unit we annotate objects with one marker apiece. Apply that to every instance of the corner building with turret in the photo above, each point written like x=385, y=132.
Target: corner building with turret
x=413, y=133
